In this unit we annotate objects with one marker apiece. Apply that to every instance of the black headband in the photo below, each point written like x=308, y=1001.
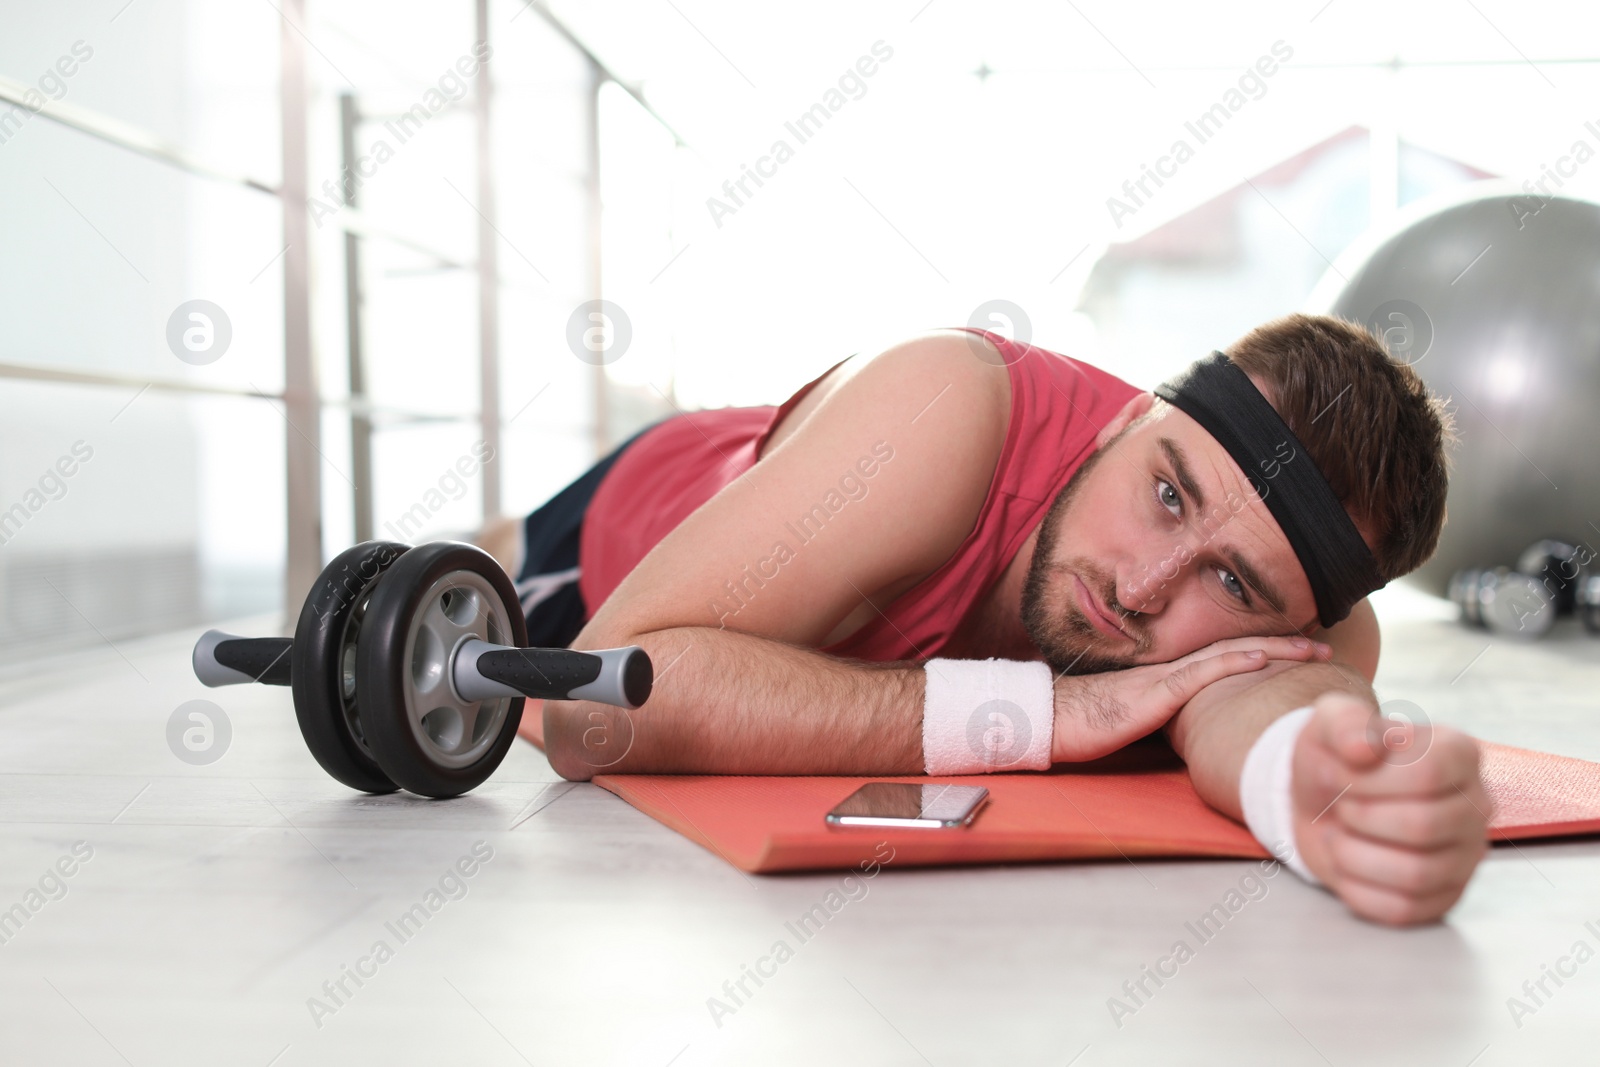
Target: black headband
x=1225, y=402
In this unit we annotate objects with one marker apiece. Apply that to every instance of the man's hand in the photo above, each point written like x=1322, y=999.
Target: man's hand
x=1096, y=714
x=1392, y=817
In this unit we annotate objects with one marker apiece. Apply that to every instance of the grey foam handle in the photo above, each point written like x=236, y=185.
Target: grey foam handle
x=223, y=659
x=618, y=676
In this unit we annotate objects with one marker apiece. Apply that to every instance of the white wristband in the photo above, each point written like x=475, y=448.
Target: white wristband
x=987, y=715
x=1264, y=791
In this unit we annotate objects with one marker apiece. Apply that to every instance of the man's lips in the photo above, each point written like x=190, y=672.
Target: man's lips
x=1101, y=619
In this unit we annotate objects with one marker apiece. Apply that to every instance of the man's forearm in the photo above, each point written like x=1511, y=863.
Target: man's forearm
x=730, y=703
x=1214, y=731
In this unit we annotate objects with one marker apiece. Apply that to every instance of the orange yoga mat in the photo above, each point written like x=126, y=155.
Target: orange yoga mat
x=1138, y=802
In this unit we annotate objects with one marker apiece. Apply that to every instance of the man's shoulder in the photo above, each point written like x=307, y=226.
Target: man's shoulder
x=996, y=380
x=965, y=368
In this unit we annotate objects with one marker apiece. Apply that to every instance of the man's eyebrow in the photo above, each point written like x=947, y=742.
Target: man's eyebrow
x=1180, y=469
x=1254, y=578
x=1191, y=488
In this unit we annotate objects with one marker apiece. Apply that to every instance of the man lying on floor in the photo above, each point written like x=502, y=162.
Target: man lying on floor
x=968, y=554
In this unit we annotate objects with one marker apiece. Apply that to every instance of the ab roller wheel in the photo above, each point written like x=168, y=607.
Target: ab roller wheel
x=323, y=665
x=441, y=599
x=408, y=670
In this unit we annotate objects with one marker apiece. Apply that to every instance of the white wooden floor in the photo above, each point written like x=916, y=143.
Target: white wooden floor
x=219, y=899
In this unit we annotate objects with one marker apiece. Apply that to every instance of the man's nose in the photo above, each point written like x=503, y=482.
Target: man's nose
x=1147, y=586
x=1142, y=590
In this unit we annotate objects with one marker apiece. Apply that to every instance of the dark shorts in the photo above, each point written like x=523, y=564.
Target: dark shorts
x=548, y=580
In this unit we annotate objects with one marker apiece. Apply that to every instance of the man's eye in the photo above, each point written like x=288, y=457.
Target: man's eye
x=1169, y=497
x=1235, y=589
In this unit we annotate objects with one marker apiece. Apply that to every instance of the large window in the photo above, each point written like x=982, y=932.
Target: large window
x=143, y=479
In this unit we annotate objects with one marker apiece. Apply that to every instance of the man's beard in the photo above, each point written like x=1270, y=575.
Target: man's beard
x=1059, y=629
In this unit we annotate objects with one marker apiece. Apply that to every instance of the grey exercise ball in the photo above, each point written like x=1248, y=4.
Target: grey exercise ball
x=1493, y=295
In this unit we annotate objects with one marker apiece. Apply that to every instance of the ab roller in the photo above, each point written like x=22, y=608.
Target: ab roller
x=407, y=668
x=1551, y=579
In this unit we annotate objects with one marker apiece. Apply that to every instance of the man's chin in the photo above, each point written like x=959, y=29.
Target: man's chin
x=1082, y=651
x=1070, y=643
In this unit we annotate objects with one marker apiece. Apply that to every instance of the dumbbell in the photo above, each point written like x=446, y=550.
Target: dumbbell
x=1527, y=600
x=1503, y=600
x=1559, y=564
x=408, y=669
x=1588, y=602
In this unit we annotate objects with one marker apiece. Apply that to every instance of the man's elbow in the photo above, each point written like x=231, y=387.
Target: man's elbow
x=564, y=726
x=1357, y=641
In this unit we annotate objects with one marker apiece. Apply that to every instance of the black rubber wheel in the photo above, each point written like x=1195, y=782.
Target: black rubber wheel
x=323, y=664
x=426, y=737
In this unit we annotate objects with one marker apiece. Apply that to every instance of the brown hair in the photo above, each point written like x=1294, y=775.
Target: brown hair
x=1369, y=422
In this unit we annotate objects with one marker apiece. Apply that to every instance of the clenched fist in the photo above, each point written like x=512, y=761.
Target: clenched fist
x=1391, y=816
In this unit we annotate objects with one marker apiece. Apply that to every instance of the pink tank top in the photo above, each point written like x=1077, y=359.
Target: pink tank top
x=1058, y=405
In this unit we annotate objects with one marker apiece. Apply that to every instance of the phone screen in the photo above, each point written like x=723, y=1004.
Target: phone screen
x=930, y=805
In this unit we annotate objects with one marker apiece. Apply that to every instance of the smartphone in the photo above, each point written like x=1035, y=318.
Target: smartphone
x=930, y=806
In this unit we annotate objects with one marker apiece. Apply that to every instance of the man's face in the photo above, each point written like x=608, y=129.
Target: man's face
x=1160, y=531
